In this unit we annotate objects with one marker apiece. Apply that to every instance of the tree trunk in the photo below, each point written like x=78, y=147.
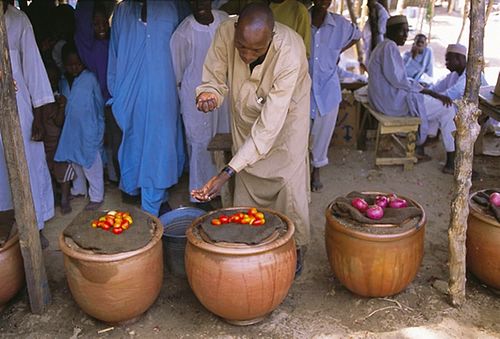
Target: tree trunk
x=451, y=4
x=488, y=11
x=467, y=132
x=373, y=22
x=400, y=6
x=465, y=15
x=359, y=51
x=431, y=18
x=15, y=158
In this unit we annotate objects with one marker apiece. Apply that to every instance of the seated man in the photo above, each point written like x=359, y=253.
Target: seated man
x=419, y=60
x=392, y=93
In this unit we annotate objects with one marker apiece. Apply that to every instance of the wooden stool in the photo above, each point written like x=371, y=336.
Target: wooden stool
x=393, y=126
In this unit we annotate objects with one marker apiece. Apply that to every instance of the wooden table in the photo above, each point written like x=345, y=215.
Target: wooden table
x=489, y=104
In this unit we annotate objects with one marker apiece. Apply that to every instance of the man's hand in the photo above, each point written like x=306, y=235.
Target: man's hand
x=445, y=100
x=212, y=188
x=37, y=128
x=206, y=102
x=61, y=101
x=414, y=51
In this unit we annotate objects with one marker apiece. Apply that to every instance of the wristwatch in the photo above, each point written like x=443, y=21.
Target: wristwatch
x=229, y=171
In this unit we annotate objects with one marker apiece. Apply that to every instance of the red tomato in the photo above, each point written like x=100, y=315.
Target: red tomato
x=258, y=222
x=117, y=230
x=224, y=219
x=259, y=215
x=241, y=215
x=252, y=211
x=125, y=224
x=235, y=218
x=105, y=226
x=216, y=222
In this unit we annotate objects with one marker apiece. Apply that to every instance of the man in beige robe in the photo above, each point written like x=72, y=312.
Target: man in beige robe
x=263, y=67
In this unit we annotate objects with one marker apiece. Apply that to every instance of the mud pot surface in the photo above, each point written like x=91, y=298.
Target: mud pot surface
x=317, y=305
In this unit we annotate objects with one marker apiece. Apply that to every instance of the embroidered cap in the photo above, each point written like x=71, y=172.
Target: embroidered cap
x=457, y=48
x=396, y=20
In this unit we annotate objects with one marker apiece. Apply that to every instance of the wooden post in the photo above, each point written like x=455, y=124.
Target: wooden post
x=352, y=14
x=15, y=158
x=467, y=132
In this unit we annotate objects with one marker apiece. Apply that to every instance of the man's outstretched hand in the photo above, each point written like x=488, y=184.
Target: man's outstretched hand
x=206, y=102
x=211, y=189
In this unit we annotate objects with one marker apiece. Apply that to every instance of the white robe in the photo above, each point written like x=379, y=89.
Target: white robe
x=189, y=45
x=33, y=90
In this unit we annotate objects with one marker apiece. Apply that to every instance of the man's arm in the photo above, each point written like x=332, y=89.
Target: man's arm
x=394, y=70
x=215, y=70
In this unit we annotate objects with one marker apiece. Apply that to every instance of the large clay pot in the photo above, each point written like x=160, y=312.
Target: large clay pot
x=374, y=265
x=483, y=246
x=11, y=270
x=115, y=288
x=238, y=282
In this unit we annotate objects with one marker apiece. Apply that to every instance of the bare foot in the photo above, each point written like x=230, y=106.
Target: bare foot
x=65, y=207
x=92, y=206
x=316, y=185
x=43, y=241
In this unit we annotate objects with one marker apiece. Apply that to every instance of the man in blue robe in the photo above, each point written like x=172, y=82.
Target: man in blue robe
x=144, y=100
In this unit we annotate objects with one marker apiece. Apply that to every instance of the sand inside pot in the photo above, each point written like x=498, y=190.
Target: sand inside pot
x=79, y=234
x=395, y=221
x=243, y=234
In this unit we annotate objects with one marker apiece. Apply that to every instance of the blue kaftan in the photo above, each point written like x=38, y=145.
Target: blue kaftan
x=83, y=130
x=422, y=64
x=144, y=99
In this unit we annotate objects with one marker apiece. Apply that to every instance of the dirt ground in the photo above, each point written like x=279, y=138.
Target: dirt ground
x=317, y=305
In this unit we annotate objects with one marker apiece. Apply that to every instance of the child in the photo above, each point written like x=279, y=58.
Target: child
x=82, y=135
x=53, y=120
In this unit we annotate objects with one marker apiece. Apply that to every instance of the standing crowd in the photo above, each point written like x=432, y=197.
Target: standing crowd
x=141, y=98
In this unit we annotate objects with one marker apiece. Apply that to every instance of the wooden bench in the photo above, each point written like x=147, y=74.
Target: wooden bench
x=393, y=126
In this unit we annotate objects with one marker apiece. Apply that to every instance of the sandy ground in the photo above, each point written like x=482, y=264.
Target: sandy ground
x=317, y=305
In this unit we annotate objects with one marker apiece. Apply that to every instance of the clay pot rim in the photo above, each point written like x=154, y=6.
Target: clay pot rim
x=251, y=249
x=371, y=236
x=479, y=214
x=11, y=242
x=95, y=257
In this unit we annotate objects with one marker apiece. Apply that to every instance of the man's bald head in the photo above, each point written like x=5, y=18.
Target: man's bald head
x=254, y=32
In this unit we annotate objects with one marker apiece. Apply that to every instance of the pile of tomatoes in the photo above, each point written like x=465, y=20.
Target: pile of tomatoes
x=113, y=221
x=252, y=217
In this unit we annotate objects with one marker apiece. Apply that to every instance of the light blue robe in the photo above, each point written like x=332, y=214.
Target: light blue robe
x=83, y=130
x=144, y=99
x=422, y=64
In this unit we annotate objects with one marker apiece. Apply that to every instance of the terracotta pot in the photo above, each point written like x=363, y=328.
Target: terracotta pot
x=374, y=265
x=483, y=246
x=115, y=288
x=238, y=282
x=11, y=270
